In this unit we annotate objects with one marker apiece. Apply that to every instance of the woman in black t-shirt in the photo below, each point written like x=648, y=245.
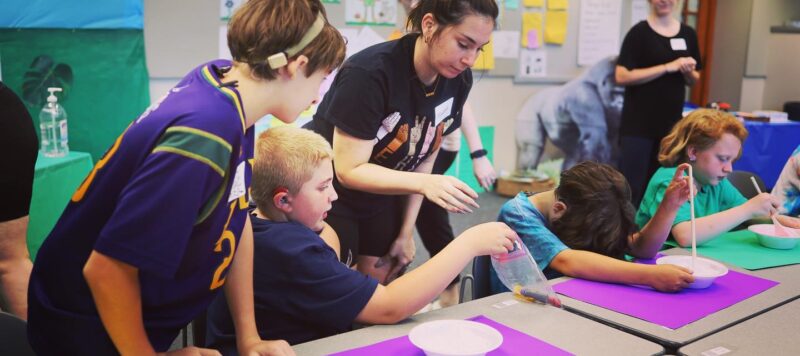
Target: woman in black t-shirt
x=385, y=115
x=658, y=59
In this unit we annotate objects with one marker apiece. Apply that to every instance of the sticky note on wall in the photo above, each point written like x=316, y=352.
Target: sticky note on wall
x=531, y=26
x=555, y=30
x=485, y=60
x=533, y=3
x=533, y=39
x=557, y=4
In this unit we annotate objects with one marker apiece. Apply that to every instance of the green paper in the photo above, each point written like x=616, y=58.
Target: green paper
x=53, y=184
x=741, y=248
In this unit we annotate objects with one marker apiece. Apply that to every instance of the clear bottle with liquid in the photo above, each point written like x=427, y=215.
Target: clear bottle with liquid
x=53, y=127
x=519, y=272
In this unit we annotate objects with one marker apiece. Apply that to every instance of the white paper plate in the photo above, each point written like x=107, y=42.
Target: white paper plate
x=768, y=238
x=706, y=271
x=455, y=338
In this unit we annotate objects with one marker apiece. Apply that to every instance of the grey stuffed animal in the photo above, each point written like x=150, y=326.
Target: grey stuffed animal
x=580, y=117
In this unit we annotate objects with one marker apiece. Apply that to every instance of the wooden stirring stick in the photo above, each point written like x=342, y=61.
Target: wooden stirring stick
x=778, y=227
x=691, y=209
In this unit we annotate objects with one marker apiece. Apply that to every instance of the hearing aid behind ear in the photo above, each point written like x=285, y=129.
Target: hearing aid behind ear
x=279, y=190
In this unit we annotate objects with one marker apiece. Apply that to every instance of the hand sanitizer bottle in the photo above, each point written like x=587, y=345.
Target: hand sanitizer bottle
x=53, y=127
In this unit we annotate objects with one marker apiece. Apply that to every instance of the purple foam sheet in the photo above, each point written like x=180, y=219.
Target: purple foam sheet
x=672, y=310
x=514, y=343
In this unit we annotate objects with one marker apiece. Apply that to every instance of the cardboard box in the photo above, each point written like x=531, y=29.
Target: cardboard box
x=511, y=186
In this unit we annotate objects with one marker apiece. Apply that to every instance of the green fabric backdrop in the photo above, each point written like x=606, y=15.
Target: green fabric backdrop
x=462, y=166
x=110, y=85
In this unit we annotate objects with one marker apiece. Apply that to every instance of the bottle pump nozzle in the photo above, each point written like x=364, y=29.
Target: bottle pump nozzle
x=52, y=98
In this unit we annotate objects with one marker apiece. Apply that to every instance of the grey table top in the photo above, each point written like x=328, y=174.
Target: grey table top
x=788, y=289
x=555, y=326
x=772, y=333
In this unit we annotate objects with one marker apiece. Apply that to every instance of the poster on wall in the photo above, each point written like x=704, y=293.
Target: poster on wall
x=227, y=8
x=532, y=63
x=371, y=12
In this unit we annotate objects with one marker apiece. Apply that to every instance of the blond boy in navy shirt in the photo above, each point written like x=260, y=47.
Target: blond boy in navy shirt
x=302, y=291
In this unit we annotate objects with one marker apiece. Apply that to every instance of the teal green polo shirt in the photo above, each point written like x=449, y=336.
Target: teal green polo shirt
x=709, y=199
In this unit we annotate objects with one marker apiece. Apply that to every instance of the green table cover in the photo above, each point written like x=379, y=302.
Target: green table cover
x=53, y=184
x=741, y=248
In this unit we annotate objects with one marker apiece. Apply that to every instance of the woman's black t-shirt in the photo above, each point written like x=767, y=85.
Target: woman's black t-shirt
x=377, y=96
x=651, y=108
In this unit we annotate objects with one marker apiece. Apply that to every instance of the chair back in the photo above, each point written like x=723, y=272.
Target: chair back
x=741, y=180
x=198, y=326
x=481, y=286
x=14, y=336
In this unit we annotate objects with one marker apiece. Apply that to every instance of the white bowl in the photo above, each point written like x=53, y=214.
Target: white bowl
x=705, y=270
x=455, y=338
x=768, y=238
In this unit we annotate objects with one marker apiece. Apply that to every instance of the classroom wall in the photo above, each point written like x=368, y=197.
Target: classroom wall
x=754, y=69
x=175, y=43
x=783, y=70
x=731, y=30
x=756, y=85
x=176, y=40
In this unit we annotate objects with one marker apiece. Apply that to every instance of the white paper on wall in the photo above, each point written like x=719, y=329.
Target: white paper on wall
x=371, y=12
x=223, y=52
x=599, y=30
x=639, y=11
x=506, y=44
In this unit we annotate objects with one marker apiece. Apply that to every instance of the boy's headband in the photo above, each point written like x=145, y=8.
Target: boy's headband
x=281, y=59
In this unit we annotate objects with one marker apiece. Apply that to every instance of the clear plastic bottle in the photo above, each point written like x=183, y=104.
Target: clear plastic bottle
x=519, y=272
x=53, y=127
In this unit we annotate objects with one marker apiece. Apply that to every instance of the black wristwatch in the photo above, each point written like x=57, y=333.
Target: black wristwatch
x=478, y=153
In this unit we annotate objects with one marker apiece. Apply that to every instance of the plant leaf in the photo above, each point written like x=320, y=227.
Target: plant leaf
x=42, y=74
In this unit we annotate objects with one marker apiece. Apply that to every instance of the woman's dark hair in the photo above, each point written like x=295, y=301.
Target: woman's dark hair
x=261, y=28
x=599, y=215
x=450, y=12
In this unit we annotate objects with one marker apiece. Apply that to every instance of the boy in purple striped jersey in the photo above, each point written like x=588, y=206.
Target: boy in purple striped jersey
x=150, y=235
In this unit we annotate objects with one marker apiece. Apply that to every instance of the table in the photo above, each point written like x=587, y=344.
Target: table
x=767, y=148
x=53, y=184
x=673, y=339
x=772, y=333
x=555, y=326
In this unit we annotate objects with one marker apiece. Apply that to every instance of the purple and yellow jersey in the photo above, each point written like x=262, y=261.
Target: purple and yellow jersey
x=169, y=198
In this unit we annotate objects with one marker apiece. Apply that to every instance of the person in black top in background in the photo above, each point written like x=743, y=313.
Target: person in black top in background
x=19, y=146
x=658, y=59
x=385, y=115
x=18, y=141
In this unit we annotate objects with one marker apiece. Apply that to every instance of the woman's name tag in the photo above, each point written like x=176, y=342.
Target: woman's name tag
x=677, y=44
